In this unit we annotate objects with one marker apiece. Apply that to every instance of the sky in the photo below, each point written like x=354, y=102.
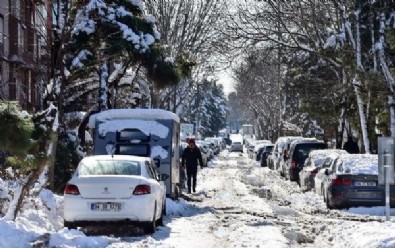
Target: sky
x=223, y=213
x=227, y=81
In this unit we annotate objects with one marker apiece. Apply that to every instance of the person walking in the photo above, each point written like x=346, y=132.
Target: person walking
x=190, y=159
x=351, y=146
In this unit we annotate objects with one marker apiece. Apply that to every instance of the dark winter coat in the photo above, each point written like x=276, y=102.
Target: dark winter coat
x=351, y=147
x=191, y=157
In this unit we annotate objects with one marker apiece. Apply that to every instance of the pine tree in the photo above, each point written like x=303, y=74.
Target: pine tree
x=105, y=32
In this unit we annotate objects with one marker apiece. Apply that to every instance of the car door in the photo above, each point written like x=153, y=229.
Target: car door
x=319, y=178
x=305, y=172
x=157, y=188
x=331, y=173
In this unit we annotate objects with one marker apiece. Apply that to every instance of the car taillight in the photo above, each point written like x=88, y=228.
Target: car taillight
x=341, y=181
x=71, y=189
x=142, y=189
x=293, y=164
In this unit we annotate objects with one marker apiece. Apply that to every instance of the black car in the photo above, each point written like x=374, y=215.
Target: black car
x=352, y=181
x=263, y=153
x=298, y=152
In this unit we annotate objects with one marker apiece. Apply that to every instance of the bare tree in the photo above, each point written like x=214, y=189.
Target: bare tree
x=188, y=28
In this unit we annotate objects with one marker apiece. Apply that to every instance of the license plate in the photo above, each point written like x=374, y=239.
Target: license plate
x=368, y=183
x=106, y=206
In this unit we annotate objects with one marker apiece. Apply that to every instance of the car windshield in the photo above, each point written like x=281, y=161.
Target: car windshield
x=109, y=167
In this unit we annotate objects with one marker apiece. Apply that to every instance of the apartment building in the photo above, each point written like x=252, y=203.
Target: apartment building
x=23, y=51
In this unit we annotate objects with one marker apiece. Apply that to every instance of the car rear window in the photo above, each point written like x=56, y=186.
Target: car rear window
x=109, y=167
x=301, y=151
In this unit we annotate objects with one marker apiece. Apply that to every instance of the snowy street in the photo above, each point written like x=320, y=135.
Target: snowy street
x=244, y=205
x=237, y=204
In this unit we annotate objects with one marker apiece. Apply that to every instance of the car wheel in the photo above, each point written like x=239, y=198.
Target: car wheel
x=70, y=225
x=151, y=225
x=177, y=191
x=160, y=220
x=328, y=204
x=164, y=207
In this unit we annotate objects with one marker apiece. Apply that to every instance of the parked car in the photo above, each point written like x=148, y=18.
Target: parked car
x=205, y=153
x=115, y=188
x=272, y=159
x=352, y=181
x=215, y=144
x=236, y=146
x=264, y=153
x=284, y=152
x=253, y=147
x=313, y=164
x=320, y=176
x=258, y=149
x=210, y=147
x=298, y=152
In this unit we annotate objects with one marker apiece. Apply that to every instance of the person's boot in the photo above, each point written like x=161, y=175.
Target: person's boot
x=194, y=190
x=189, y=190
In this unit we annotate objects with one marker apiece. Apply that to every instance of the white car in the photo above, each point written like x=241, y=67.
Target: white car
x=115, y=188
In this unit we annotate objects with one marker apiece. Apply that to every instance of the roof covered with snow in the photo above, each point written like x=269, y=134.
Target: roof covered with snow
x=360, y=163
x=141, y=114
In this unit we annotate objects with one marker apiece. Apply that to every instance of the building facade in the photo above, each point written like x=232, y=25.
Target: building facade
x=23, y=51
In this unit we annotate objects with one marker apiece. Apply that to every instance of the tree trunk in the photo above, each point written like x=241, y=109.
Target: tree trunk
x=362, y=114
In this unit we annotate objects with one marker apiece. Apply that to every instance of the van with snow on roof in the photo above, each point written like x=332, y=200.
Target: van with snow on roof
x=151, y=133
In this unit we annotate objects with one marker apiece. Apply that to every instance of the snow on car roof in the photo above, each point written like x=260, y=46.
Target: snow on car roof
x=260, y=145
x=116, y=157
x=142, y=114
x=327, y=152
x=145, y=126
x=360, y=163
x=319, y=156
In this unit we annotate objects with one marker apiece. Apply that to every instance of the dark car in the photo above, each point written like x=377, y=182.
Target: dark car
x=352, y=181
x=298, y=152
x=263, y=153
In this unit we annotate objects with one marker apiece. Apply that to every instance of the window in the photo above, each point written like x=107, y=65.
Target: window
x=1, y=33
x=15, y=8
x=133, y=149
x=109, y=167
x=132, y=134
x=21, y=36
x=150, y=170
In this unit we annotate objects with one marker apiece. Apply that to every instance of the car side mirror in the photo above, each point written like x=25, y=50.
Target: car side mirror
x=326, y=172
x=163, y=177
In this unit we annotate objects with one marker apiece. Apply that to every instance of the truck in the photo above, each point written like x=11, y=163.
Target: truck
x=151, y=133
x=248, y=131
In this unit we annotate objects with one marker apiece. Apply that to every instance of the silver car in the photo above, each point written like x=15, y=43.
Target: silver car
x=236, y=147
